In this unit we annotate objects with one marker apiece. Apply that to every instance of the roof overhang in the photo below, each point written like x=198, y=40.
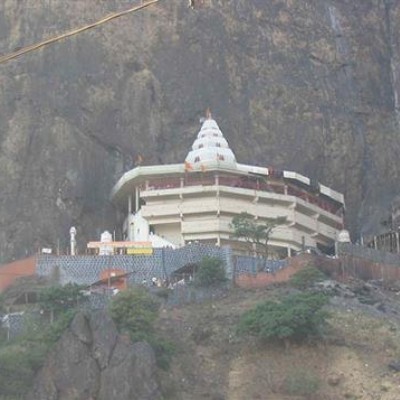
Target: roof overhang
x=133, y=178
x=127, y=183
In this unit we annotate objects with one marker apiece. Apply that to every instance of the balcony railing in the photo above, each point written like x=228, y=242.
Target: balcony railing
x=245, y=183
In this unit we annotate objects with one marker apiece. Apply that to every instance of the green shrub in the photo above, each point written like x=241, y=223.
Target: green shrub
x=307, y=277
x=134, y=311
x=301, y=383
x=21, y=357
x=163, y=350
x=54, y=331
x=295, y=317
x=59, y=299
x=18, y=366
x=163, y=293
x=211, y=271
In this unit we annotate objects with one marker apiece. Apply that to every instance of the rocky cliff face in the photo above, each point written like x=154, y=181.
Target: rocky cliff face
x=312, y=86
x=91, y=361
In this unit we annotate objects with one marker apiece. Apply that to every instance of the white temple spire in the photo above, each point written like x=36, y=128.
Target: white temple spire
x=210, y=147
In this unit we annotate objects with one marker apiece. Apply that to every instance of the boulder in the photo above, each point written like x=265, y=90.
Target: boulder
x=395, y=365
x=70, y=372
x=335, y=379
x=104, y=337
x=130, y=375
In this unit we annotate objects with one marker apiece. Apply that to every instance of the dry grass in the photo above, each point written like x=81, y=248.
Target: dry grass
x=213, y=362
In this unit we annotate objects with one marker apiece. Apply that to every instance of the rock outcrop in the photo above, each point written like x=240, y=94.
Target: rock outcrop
x=312, y=86
x=92, y=361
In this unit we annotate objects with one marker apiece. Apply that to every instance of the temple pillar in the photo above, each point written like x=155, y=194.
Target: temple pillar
x=137, y=194
x=130, y=204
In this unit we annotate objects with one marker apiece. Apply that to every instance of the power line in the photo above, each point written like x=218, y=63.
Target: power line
x=73, y=32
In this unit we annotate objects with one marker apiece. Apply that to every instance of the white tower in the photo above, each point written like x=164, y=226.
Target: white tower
x=210, y=147
x=106, y=249
x=343, y=236
x=72, y=234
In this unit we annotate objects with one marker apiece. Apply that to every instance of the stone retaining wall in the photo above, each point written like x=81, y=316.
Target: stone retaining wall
x=86, y=270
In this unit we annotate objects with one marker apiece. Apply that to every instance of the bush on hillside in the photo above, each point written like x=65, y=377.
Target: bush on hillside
x=299, y=382
x=134, y=311
x=307, y=277
x=211, y=271
x=17, y=369
x=21, y=357
x=59, y=299
x=294, y=317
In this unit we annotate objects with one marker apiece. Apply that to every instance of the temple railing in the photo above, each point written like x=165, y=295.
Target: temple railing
x=262, y=185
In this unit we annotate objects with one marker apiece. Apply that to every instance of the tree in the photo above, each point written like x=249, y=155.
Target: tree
x=295, y=317
x=60, y=299
x=211, y=271
x=255, y=233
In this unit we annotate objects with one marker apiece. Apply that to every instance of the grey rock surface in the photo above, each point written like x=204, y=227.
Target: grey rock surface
x=312, y=86
x=91, y=361
x=130, y=375
x=104, y=338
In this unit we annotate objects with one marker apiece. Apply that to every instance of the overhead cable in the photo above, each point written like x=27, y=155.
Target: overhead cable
x=73, y=32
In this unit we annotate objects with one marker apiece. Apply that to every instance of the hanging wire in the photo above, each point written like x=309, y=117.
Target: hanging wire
x=73, y=32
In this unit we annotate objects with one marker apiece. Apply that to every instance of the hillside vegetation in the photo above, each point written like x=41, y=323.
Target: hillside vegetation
x=348, y=358
x=326, y=341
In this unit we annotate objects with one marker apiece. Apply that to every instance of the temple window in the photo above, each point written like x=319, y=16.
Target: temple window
x=218, y=144
x=197, y=159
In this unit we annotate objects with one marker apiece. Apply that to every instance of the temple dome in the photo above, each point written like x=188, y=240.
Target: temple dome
x=210, y=147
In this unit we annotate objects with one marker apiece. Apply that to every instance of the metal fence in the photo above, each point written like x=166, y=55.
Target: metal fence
x=369, y=254
x=253, y=265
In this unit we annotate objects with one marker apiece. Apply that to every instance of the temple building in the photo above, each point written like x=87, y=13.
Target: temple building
x=195, y=201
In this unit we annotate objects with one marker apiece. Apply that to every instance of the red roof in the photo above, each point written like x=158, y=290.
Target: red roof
x=12, y=271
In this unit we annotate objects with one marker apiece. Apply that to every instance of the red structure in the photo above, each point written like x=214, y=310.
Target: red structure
x=9, y=273
x=113, y=278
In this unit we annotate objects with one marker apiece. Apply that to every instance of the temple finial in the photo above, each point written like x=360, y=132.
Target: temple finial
x=208, y=113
